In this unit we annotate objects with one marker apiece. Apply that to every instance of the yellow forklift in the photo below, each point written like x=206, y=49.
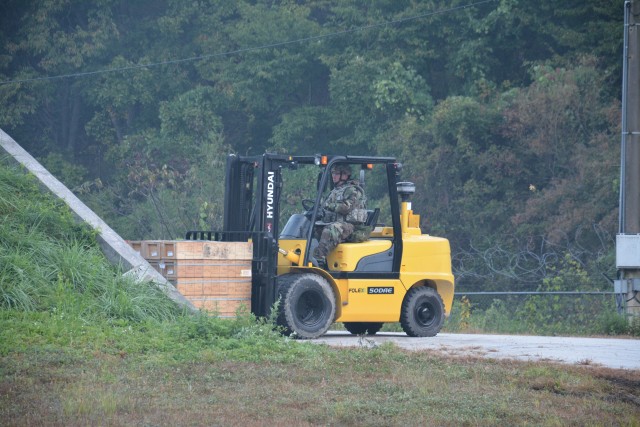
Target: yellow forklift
x=398, y=275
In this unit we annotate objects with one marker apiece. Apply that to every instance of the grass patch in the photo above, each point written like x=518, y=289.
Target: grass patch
x=161, y=373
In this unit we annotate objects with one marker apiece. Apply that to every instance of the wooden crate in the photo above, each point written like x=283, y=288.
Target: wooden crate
x=214, y=276
x=215, y=287
x=188, y=249
x=152, y=249
x=204, y=269
x=156, y=266
x=213, y=250
x=208, y=269
x=136, y=245
x=149, y=249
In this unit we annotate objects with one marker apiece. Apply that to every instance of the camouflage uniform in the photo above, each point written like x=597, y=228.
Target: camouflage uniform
x=345, y=212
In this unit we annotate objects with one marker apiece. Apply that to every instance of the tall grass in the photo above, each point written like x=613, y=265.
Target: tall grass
x=50, y=262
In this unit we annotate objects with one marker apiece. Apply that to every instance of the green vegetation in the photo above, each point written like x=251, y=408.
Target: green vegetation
x=563, y=315
x=505, y=113
x=81, y=346
x=151, y=373
x=50, y=263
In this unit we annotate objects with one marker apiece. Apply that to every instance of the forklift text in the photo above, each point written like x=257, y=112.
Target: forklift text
x=385, y=290
x=270, y=186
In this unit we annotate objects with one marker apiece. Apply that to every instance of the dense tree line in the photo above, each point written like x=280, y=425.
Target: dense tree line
x=505, y=112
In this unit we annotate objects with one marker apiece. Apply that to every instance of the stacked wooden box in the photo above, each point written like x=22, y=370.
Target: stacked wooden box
x=214, y=276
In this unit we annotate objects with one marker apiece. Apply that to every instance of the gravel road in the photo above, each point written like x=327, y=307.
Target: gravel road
x=608, y=352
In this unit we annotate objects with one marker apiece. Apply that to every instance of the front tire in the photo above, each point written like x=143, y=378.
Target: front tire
x=422, y=312
x=361, y=328
x=307, y=305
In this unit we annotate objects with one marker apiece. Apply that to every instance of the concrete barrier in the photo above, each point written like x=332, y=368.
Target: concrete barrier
x=115, y=249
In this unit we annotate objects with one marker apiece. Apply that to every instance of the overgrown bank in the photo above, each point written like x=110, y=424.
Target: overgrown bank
x=49, y=262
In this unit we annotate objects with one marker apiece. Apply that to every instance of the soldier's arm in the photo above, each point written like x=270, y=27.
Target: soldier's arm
x=351, y=196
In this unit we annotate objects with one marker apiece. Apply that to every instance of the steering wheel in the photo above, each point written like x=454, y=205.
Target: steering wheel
x=308, y=204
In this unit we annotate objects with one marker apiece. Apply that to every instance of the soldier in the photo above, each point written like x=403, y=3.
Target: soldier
x=344, y=214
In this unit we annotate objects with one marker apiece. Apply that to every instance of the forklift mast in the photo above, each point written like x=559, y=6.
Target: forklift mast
x=252, y=216
x=253, y=185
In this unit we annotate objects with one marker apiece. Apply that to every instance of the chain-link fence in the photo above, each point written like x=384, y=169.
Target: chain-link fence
x=484, y=300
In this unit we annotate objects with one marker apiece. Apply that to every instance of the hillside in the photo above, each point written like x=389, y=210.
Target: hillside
x=47, y=258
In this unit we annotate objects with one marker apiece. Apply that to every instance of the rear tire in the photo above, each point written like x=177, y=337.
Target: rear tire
x=362, y=328
x=422, y=312
x=307, y=305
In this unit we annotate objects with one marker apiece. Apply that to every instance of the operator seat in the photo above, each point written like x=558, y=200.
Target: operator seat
x=372, y=218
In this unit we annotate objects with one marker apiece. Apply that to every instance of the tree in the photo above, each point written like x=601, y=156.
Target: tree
x=492, y=107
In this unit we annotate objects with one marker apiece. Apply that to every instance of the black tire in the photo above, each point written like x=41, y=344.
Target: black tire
x=307, y=305
x=422, y=312
x=362, y=328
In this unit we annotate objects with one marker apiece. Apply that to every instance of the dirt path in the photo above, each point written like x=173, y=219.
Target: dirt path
x=609, y=352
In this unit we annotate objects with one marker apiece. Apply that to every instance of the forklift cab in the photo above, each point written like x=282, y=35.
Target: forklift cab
x=301, y=232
